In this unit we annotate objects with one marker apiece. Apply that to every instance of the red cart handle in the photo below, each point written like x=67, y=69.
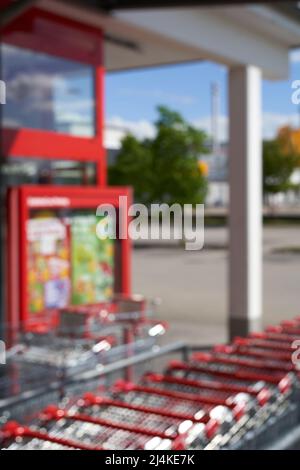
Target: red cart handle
x=12, y=430
x=257, y=351
x=211, y=425
x=237, y=374
x=252, y=363
x=91, y=399
x=272, y=337
x=291, y=329
x=53, y=412
x=238, y=410
x=290, y=323
x=263, y=342
x=262, y=396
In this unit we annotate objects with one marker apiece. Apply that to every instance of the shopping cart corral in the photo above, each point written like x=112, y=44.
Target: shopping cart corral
x=244, y=395
x=57, y=351
x=25, y=405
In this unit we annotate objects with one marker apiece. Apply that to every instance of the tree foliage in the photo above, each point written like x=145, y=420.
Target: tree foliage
x=279, y=163
x=165, y=168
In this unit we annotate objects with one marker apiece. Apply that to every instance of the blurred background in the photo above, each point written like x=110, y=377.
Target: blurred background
x=158, y=102
x=198, y=91
x=160, y=76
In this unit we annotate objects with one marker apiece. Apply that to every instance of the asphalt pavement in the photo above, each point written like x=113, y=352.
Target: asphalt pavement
x=192, y=285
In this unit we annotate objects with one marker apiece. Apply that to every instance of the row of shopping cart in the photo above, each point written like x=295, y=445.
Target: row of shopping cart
x=52, y=351
x=235, y=396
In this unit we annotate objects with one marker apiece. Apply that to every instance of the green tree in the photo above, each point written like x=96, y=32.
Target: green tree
x=133, y=167
x=278, y=167
x=165, y=168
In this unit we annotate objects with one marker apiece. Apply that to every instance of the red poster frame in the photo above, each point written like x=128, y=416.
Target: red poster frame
x=29, y=32
x=20, y=201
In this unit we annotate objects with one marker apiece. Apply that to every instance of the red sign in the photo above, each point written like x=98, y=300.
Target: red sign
x=55, y=258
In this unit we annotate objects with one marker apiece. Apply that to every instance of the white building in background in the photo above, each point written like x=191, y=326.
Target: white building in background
x=290, y=199
x=218, y=189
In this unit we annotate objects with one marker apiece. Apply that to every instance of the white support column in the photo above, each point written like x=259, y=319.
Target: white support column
x=245, y=170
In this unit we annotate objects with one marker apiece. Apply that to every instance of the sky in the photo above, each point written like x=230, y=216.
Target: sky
x=132, y=97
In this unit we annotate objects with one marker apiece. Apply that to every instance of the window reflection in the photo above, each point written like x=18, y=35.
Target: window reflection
x=16, y=171
x=46, y=92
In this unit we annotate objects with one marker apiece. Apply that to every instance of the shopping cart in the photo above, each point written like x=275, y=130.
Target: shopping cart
x=88, y=321
x=96, y=433
x=186, y=429
x=46, y=364
x=220, y=389
x=14, y=436
x=279, y=414
x=274, y=334
x=236, y=396
x=25, y=389
x=264, y=387
x=229, y=415
x=141, y=420
x=70, y=342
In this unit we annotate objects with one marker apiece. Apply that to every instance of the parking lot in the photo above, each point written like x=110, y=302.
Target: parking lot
x=192, y=286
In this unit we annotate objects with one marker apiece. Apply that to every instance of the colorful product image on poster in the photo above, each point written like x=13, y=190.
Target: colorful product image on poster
x=92, y=261
x=48, y=263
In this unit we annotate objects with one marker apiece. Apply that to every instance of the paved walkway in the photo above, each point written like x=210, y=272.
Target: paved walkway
x=193, y=285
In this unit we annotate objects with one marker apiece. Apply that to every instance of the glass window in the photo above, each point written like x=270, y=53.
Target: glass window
x=17, y=171
x=46, y=92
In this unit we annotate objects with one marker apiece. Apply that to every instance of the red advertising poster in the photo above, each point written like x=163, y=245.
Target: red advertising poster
x=56, y=257
x=92, y=261
x=48, y=263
